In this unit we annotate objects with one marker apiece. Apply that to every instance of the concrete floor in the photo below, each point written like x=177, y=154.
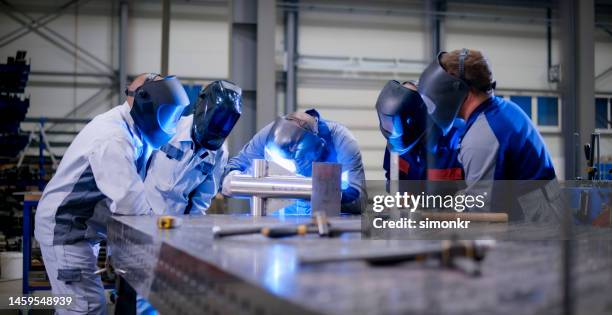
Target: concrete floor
x=13, y=287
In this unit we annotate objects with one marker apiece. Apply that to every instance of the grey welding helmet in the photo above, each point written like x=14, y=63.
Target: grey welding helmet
x=443, y=93
x=295, y=137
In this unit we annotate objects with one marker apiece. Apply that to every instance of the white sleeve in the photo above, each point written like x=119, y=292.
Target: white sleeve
x=113, y=166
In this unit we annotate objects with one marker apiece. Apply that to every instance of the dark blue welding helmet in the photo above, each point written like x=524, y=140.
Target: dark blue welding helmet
x=218, y=109
x=443, y=93
x=402, y=116
x=296, y=137
x=157, y=108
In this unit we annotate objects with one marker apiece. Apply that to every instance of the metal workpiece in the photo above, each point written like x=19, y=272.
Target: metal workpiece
x=186, y=269
x=326, y=193
x=277, y=186
x=268, y=181
x=257, y=202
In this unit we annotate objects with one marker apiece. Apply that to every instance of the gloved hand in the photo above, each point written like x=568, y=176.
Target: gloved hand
x=225, y=186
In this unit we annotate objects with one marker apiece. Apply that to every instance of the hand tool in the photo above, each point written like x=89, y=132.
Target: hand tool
x=319, y=225
x=462, y=255
x=493, y=217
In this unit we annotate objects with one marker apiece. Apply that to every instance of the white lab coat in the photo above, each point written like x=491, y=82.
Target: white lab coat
x=180, y=180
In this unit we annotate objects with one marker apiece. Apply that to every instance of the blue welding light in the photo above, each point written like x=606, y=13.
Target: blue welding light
x=345, y=180
x=273, y=155
x=279, y=271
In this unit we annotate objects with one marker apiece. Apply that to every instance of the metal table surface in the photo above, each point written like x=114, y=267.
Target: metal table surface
x=186, y=271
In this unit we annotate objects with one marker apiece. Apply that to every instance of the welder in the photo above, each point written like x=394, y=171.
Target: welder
x=101, y=174
x=185, y=174
x=499, y=142
x=424, y=152
x=297, y=140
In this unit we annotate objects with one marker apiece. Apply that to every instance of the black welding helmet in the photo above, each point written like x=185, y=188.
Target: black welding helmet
x=443, y=93
x=218, y=109
x=402, y=116
x=295, y=137
x=157, y=107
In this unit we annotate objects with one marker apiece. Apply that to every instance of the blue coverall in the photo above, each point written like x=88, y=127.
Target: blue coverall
x=444, y=151
x=341, y=147
x=501, y=143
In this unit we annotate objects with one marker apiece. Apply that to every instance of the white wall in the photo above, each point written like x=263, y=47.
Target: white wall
x=517, y=52
x=199, y=48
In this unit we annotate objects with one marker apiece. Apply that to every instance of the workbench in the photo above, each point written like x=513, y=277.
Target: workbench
x=186, y=271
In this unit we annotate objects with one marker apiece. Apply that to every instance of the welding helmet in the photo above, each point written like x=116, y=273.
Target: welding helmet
x=402, y=116
x=157, y=107
x=296, y=137
x=216, y=113
x=443, y=93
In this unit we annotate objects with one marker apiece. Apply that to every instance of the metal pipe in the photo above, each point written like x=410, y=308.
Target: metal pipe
x=57, y=120
x=270, y=187
x=291, y=33
x=165, y=42
x=598, y=158
x=123, y=24
x=549, y=38
x=393, y=172
x=258, y=207
x=394, y=11
x=73, y=74
x=394, y=180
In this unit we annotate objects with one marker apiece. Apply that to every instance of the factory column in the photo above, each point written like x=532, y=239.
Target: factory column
x=252, y=67
x=576, y=29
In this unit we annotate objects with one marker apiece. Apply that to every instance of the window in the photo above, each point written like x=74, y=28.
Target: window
x=543, y=110
x=601, y=113
x=548, y=111
x=524, y=102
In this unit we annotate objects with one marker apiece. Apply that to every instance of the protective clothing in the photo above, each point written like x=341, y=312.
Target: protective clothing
x=100, y=174
x=181, y=177
x=296, y=137
x=217, y=111
x=434, y=157
x=402, y=116
x=514, y=148
x=157, y=107
x=442, y=92
x=70, y=269
x=501, y=143
x=340, y=147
